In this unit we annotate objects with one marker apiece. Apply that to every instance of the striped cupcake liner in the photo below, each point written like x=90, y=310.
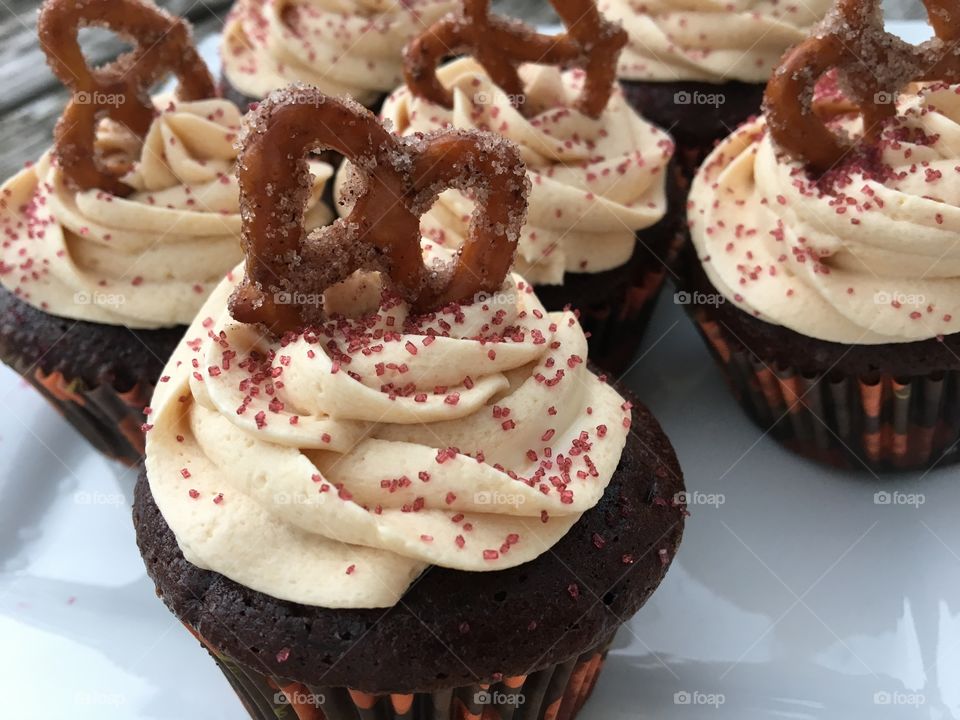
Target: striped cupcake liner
x=110, y=420
x=615, y=328
x=880, y=423
x=615, y=325
x=554, y=693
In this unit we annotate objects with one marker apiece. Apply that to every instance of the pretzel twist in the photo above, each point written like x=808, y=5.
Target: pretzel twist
x=873, y=66
x=591, y=42
x=287, y=269
x=119, y=90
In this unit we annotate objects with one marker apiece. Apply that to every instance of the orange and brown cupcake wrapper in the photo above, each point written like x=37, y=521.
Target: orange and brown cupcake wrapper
x=109, y=419
x=554, y=693
x=615, y=329
x=877, y=423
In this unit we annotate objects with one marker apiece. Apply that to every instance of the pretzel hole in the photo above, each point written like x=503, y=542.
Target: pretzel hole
x=550, y=16
x=452, y=208
x=101, y=46
x=96, y=41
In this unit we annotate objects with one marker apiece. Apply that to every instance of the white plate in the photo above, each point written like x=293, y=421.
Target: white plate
x=797, y=596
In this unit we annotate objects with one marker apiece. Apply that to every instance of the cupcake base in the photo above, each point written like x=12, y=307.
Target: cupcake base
x=99, y=377
x=557, y=692
x=862, y=407
x=697, y=114
x=546, y=622
x=237, y=97
x=615, y=306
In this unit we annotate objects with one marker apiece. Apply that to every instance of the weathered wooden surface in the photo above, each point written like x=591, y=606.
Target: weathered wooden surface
x=32, y=98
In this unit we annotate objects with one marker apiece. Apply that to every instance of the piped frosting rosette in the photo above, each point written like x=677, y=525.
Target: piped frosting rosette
x=865, y=254
x=709, y=40
x=146, y=260
x=343, y=47
x=594, y=182
x=331, y=467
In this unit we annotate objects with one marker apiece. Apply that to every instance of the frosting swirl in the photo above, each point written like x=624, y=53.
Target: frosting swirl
x=343, y=47
x=331, y=467
x=709, y=40
x=594, y=182
x=866, y=254
x=147, y=260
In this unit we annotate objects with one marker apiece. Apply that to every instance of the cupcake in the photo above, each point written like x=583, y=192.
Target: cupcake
x=826, y=273
x=342, y=512
x=344, y=47
x=100, y=284
x=600, y=228
x=699, y=69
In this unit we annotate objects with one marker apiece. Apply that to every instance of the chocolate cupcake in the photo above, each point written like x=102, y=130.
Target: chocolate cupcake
x=699, y=71
x=101, y=276
x=342, y=512
x=601, y=227
x=826, y=278
x=351, y=47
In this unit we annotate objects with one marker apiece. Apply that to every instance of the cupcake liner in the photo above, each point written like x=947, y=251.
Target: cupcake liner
x=109, y=419
x=99, y=377
x=557, y=692
x=615, y=306
x=882, y=422
x=615, y=328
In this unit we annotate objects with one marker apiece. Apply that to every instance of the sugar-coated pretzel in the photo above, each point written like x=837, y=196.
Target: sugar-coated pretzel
x=873, y=66
x=287, y=269
x=501, y=44
x=119, y=90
